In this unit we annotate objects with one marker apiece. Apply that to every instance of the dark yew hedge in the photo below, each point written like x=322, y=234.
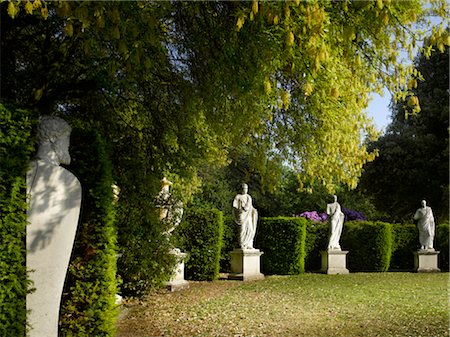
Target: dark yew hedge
x=88, y=304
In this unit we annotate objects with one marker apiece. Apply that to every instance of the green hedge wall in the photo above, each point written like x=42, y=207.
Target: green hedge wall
x=442, y=237
x=406, y=241
x=201, y=235
x=230, y=242
x=369, y=244
x=16, y=147
x=283, y=242
x=316, y=241
x=88, y=305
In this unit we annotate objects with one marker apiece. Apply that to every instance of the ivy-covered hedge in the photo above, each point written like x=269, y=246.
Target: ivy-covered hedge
x=369, y=244
x=283, y=242
x=88, y=305
x=16, y=147
x=201, y=235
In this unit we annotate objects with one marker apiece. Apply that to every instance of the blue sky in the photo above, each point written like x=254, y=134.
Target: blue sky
x=378, y=109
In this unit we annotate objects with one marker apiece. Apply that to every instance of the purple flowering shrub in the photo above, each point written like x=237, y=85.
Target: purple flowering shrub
x=315, y=216
x=322, y=217
x=353, y=215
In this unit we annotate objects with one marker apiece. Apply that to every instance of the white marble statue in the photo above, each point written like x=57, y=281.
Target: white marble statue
x=170, y=210
x=246, y=216
x=54, y=196
x=426, y=226
x=336, y=223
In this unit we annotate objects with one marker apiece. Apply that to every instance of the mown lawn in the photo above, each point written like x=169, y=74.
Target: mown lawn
x=360, y=304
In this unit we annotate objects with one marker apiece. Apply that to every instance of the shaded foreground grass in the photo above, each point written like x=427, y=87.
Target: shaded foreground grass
x=360, y=304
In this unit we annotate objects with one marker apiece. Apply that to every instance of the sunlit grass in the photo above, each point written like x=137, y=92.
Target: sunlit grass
x=361, y=304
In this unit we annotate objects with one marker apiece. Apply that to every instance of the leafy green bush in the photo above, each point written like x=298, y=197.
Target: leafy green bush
x=201, y=234
x=16, y=146
x=442, y=236
x=406, y=241
x=369, y=245
x=88, y=305
x=283, y=242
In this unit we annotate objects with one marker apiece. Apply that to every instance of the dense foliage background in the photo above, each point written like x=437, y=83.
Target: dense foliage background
x=210, y=94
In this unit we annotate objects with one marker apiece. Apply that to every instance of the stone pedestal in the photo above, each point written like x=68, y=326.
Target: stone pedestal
x=334, y=262
x=245, y=265
x=177, y=282
x=426, y=261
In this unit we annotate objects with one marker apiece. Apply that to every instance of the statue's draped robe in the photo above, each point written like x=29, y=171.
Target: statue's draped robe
x=426, y=226
x=336, y=223
x=246, y=216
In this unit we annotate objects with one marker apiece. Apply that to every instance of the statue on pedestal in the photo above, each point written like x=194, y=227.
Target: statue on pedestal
x=170, y=210
x=336, y=223
x=246, y=216
x=54, y=196
x=426, y=226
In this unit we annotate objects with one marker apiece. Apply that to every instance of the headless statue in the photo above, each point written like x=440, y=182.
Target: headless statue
x=54, y=206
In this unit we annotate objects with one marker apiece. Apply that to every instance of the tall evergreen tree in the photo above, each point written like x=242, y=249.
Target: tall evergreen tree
x=414, y=153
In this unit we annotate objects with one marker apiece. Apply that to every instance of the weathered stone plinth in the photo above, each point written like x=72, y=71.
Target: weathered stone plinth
x=245, y=265
x=177, y=282
x=426, y=261
x=334, y=262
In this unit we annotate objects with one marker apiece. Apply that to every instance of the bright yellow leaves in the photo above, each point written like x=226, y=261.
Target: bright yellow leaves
x=240, y=22
x=13, y=9
x=267, y=86
x=290, y=39
x=285, y=99
x=255, y=7
x=334, y=93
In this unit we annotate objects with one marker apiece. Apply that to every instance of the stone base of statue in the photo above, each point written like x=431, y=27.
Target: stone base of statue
x=177, y=282
x=245, y=265
x=334, y=262
x=426, y=261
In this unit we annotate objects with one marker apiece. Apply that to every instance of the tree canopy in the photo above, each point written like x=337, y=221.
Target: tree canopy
x=184, y=81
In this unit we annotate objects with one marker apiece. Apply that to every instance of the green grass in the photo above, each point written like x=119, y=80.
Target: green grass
x=360, y=304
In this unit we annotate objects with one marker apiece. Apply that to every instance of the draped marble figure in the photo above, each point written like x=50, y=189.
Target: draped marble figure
x=54, y=196
x=336, y=224
x=426, y=226
x=246, y=216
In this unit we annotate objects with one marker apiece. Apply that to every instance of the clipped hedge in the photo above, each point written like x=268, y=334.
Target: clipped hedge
x=316, y=241
x=406, y=241
x=442, y=238
x=88, y=304
x=230, y=242
x=201, y=234
x=16, y=147
x=369, y=244
x=282, y=240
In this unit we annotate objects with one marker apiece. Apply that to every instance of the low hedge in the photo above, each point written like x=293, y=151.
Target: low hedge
x=201, y=235
x=88, y=304
x=369, y=244
x=282, y=240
